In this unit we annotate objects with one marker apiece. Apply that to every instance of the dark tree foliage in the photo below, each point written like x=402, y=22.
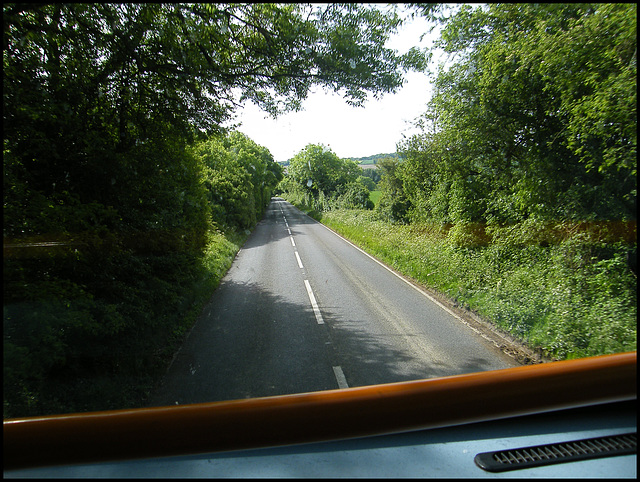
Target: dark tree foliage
x=117, y=167
x=393, y=205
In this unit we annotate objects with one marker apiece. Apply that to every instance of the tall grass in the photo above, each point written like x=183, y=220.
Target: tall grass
x=572, y=298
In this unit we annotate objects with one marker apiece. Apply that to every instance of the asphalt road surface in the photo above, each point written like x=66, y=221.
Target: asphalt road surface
x=303, y=310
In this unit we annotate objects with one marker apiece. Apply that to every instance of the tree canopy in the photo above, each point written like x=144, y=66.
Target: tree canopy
x=100, y=100
x=318, y=168
x=535, y=117
x=190, y=59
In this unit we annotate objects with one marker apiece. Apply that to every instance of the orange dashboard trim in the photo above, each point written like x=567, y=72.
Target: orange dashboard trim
x=317, y=416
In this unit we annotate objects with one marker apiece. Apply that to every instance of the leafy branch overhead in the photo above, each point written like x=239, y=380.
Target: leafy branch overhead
x=198, y=60
x=85, y=82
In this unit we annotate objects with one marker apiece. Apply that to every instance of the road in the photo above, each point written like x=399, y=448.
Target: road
x=303, y=310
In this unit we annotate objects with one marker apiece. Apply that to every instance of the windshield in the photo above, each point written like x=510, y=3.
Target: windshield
x=155, y=253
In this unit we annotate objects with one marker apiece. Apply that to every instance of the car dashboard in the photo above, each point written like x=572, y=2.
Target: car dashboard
x=558, y=420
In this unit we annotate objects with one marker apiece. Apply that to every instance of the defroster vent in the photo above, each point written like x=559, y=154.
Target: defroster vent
x=556, y=453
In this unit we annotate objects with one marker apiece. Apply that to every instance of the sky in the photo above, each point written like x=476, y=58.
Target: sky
x=350, y=132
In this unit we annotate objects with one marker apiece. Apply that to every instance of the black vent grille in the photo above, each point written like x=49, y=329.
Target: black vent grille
x=556, y=453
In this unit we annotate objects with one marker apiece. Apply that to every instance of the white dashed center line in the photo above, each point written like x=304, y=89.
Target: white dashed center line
x=314, y=304
x=337, y=370
x=340, y=378
x=299, y=261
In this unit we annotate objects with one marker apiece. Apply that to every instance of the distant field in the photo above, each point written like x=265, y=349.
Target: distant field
x=371, y=160
x=375, y=196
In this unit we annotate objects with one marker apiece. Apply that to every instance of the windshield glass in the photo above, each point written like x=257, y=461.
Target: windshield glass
x=156, y=253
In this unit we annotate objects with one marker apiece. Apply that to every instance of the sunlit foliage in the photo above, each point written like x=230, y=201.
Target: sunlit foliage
x=533, y=117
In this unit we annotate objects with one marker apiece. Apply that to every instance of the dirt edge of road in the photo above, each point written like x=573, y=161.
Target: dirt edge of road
x=503, y=340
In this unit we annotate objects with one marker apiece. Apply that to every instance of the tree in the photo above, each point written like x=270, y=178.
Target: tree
x=319, y=170
x=354, y=195
x=230, y=191
x=393, y=205
x=102, y=107
x=85, y=85
x=373, y=175
x=368, y=180
x=239, y=176
x=265, y=173
x=535, y=119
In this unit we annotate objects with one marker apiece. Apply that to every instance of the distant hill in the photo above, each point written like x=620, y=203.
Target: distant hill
x=369, y=160
x=374, y=159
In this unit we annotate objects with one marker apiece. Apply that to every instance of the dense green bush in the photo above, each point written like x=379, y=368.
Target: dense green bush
x=534, y=119
x=97, y=329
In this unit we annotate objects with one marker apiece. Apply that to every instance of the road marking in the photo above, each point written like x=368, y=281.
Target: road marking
x=340, y=378
x=314, y=304
x=293, y=243
x=299, y=260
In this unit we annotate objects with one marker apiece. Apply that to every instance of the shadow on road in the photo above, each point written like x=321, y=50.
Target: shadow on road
x=387, y=358
x=249, y=342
